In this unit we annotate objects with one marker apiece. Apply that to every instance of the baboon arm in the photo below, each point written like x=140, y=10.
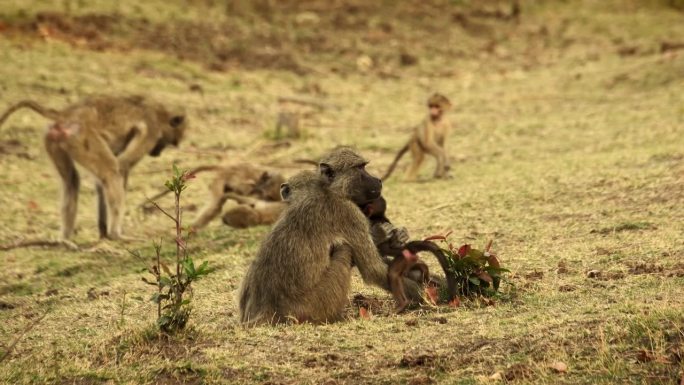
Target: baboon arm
x=136, y=148
x=373, y=270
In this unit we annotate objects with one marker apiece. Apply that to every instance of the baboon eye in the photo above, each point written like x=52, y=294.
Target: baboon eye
x=285, y=191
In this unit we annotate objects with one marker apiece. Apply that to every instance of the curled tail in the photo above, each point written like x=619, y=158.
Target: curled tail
x=46, y=112
x=417, y=246
x=395, y=161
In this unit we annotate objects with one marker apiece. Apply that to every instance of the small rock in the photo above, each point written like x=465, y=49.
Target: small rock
x=594, y=274
x=559, y=367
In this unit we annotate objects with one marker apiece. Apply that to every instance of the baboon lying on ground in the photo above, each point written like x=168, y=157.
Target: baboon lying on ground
x=245, y=183
x=428, y=138
x=106, y=135
x=252, y=212
x=302, y=270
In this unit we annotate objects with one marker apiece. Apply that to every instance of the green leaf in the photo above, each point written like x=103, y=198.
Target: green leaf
x=157, y=298
x=165, y=281
x=474, y=280
x=189, y=267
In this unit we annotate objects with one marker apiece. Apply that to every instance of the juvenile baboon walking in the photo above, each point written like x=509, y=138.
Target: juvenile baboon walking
x=303, y=267
x=428, y=138
x=107, y=136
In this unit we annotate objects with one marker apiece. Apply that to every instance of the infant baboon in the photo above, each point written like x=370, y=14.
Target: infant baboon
x=107, y=136
x=240, y=179
x=392, y=241
x=252, y=212
x=302, y=269
x=428, y=138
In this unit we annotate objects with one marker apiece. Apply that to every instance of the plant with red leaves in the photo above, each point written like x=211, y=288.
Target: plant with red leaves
x=173, y=285
x=472, y=272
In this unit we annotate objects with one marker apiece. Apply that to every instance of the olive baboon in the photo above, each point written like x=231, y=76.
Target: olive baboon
x=428, y=138
x=302, y=270
x=239, y=179
x=252, y=211
x=107, y=136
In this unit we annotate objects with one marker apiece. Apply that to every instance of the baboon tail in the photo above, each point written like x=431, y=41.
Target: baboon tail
x=306, y=161
x=395, y=161
x=46, y=112
x=204, y=168
x=431, y=247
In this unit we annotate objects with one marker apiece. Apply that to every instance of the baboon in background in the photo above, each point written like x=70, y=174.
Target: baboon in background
x=241, y=180
x=252, y=212
x=428, y=138
x=302, y=270
x=106, y=135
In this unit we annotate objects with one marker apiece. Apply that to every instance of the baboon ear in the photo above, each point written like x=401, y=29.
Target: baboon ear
x=264, y=177
x=285, y=191
x=327, y=171
x=176, y=121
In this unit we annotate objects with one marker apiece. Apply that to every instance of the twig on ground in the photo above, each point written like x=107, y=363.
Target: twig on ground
x=21, y=335
x=39, y=242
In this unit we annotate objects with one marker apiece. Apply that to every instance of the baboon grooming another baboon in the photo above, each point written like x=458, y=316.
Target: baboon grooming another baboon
x=302, y=270
x=428, y=138
x=107, y=136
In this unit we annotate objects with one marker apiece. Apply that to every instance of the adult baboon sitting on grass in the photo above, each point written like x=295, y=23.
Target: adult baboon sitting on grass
x=302, y=270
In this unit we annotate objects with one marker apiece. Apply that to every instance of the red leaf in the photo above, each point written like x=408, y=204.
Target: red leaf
x=32, y=205
x=483, y=275
x=363, y=313
x=431, y=292
x=455, y=302
x=463, y=250
x=493, y=261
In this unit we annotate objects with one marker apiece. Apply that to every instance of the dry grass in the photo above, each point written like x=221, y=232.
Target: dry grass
x=569, y=153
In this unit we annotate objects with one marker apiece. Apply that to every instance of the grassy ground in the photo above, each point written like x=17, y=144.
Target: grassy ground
x=568, y=151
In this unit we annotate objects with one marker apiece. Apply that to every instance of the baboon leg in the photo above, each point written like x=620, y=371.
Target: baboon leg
x=210, y=211
x=439, y=154
x=101, y=211
x=327, y=299
x=397, y=285
x=417, y=158
x=96, y=157
x=70, y=185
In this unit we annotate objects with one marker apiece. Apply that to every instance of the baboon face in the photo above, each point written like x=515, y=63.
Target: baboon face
x=437, y=104
x=346, y=173
x=173, y=133
x=300, y=182
x=267, y=186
